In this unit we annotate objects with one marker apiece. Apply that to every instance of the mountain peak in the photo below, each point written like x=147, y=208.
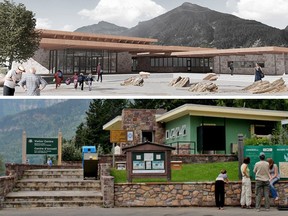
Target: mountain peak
x=193, y=7
x=194, y=25
x=103, y=27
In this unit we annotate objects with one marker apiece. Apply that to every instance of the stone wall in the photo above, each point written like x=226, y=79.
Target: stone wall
x=107, y=185
x=139, y=120
x=124, y=63
x=275, y=64
x=183, y=194
x=6, y=185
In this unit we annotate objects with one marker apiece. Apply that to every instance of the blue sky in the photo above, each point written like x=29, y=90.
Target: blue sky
x=72, y=14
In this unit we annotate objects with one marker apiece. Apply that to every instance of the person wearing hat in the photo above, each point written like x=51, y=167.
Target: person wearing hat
x=262, y=177
x=11, y=79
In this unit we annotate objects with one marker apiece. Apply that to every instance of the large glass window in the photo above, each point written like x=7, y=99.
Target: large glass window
x=82, y=61
x=160, y=62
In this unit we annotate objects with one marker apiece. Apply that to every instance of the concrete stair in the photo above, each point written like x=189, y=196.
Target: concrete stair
x=54, y=188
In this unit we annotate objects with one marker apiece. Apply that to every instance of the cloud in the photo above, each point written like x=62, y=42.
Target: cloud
x=123, y=13
x=43, y=23
x=273, y=13
x=68, y=28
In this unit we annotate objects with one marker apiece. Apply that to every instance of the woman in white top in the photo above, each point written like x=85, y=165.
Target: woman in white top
x=246, y=184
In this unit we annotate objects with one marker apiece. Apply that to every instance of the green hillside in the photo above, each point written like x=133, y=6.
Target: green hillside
x=40, y=122
x=12, y=106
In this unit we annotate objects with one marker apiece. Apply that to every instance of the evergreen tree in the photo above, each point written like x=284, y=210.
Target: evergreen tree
x=167, y=104
x=70, y=152
x=2, y=168
x=269, y=104
x=100, y=112
x=18, y=38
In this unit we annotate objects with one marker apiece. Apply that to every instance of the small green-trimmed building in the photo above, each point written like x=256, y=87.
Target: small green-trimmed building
x=197, y=129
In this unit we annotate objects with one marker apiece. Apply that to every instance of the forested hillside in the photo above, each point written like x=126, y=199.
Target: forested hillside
x=39, y=122
x=12, y=106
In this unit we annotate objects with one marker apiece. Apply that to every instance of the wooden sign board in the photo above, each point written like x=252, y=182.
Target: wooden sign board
x=117, y=136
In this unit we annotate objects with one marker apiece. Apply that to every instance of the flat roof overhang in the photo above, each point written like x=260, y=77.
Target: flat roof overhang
x=114, y=124
x=209, y=111
x=53, y=40
x=45, y=33
x=49, y=43
x=236, y=51
x=222, y=112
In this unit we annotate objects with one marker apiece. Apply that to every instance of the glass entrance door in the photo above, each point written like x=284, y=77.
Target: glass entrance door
x=94, y=62
x=80, y=64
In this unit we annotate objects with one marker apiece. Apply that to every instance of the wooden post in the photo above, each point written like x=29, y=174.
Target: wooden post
x=240, y=153
x=113, y=155
x=59, y=147
x=24, y=145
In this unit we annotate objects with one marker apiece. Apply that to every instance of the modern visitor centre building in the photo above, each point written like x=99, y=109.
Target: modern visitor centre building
x=81, y=52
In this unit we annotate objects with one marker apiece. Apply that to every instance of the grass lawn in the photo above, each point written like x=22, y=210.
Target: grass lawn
x=189, y=173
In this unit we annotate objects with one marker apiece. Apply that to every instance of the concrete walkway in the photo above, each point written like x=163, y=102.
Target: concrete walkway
x=185, y=211
x=156, y=86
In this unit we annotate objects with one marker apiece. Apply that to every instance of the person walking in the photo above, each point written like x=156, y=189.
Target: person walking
x=262, y=177
x=81, y=79
x=274, y=178
x=99, y=72
x=231, y=66
x=11, y=79
x=58, y=76
x=246, y=191
x=258, y=73
x=90, y=80
x=32, y=84
x=220, y=189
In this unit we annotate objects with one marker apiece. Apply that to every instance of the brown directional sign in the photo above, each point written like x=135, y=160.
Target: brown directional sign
x=117, y=136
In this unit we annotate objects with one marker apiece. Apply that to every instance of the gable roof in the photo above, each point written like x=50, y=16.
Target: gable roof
x=148, y=146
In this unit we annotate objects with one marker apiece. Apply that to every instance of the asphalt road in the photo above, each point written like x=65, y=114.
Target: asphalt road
x=135, y=211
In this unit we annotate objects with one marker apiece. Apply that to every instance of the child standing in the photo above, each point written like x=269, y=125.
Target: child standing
x=75, y=80
x=49, y=162
x=220, y=189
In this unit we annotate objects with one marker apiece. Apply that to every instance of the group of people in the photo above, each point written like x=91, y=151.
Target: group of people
x=31, y=83
x=79, y=80
x=266, y=176
x=258, y=72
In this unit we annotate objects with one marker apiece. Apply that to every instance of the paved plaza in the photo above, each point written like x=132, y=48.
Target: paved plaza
x=157, y=86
